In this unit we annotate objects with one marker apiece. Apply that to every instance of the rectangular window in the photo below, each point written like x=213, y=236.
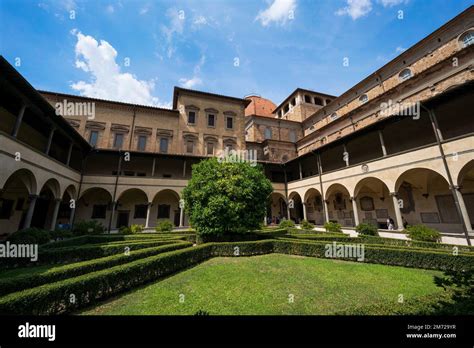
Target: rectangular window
x=141, y=143
x=98, y=211
x=94, y=136
x=163, y=211
x=211, y=120
x=191, y=117
x=118, y=141
x=164, y=145
x=210, y=148
x=229, y=122
x=189, y=146
x=140, y=211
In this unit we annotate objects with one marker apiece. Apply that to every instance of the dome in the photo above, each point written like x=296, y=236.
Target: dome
x=259, y=106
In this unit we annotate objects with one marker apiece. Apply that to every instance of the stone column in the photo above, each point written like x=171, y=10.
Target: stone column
x=326, y=210
x=31, y=209
x=57, y=203
x=18, y=121
x=181, y=217
x=465, y=216
x=356, y=211
x=305, y=216
x=398, y=213
x=50, y=141
x=71, y=216
x=382, y=143
x=148, y=214
x=69, y=153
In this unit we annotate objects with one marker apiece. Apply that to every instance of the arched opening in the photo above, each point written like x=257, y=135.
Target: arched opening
x=339, y=205
x=425, y=198
x=43, y=216
x=374, y=203
x=296, y=212
x=466, y=186
x=14, y=200
x=314, y=206
x=276, y=208
x=64, y=219
x=94, y=204
x=132, y=206
x=165, y=206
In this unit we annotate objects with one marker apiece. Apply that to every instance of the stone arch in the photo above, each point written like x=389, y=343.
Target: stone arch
x=296, y=212
x=465, y=181
x=165, y=206
x=313, y=203
x=426, y=198
x=54, y=186
x=465, y=171
x=276, y=207
x=131, y=208
x=94, y=203
x=338, y=204
x=26, y=177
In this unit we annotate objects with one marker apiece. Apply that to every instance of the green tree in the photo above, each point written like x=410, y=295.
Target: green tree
x=226, y=197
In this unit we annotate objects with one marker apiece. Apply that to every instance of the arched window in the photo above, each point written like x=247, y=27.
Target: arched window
x=405, y=74
x=364, y=98
x=467, y=39
x=268, y=133
x=318, y=101
x=333, y=116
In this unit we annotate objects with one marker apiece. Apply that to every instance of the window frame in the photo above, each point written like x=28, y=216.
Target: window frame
x=141, y=136
x=195, y=117
x=214, y=118
x=166, y=139
x=402, y=76
x=96, y=139
x=227, y=117
x=115, y=140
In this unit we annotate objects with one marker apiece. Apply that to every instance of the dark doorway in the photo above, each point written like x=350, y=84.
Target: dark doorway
x=122, y=218
x=41, y=212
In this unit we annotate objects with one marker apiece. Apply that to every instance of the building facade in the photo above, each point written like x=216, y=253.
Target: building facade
x=398, y=145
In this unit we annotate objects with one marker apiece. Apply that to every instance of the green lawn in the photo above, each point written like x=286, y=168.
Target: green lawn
x=264, y=284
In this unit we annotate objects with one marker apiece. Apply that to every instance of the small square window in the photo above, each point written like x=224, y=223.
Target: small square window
x=163, y=211
x=98, y=211
x=140, y=211
x=229, y=122
x=141, y=143
x=191, y=117
x=211, y=120
x=118, y=141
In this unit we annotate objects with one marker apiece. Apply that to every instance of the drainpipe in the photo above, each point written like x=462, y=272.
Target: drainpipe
x=438, y=136
x=84, y=162
x=132, y=129
x=323, y=200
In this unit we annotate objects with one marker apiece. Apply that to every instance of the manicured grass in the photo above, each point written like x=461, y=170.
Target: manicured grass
x=264, y=284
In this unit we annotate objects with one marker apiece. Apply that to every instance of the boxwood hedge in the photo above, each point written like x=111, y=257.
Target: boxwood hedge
x=8, y=285
x=73, y=293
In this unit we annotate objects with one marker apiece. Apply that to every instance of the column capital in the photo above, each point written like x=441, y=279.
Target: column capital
x=393, y=194
x=58, y=200
x=32, y=196
x=352, y=198
x=455, y=187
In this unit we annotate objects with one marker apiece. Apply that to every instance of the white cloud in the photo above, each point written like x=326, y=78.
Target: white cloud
x=355, y=8
x=106, y=79
x=200, y=20
x=110, y=9
x=195, y=80
x=391, y=3
x=176, y=26
x=190, y=83
x=400, y=49
x=280, y=11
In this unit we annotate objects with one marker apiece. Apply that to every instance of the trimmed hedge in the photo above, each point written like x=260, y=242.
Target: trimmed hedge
x=8, y=285
x=89, y=288
x=314, y=232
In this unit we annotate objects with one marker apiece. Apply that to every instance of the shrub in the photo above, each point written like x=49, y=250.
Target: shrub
x=164, y=226
x=423, y=233
x=306, y=225
x=88, y=227
x=136, y=228
x=365, y=229
x=30, y=236
x=332, y=227
x=286, y=224
x=91, y=287
x=228, y=196
x=125, y=230
x=59, y=234
x=9, y=285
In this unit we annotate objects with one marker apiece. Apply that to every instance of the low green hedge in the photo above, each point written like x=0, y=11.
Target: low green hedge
x=8, y=285
x=314, y=232
x=55, y=298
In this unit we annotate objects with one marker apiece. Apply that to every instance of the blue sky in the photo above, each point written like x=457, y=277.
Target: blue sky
x=136, y=51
